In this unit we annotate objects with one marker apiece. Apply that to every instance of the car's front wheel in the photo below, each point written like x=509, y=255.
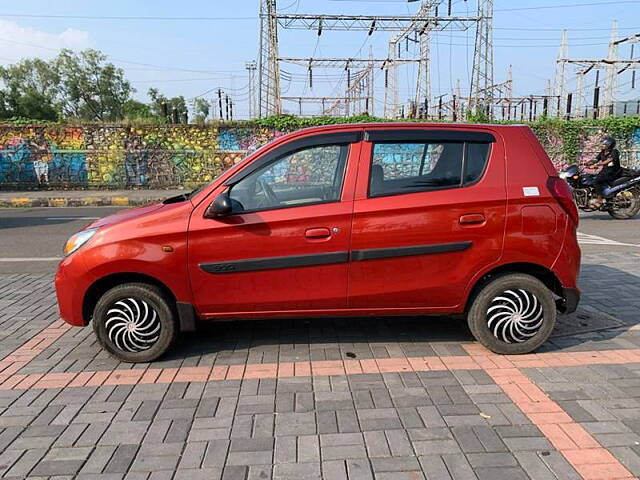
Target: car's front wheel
x=134, y=322
x=512, y=314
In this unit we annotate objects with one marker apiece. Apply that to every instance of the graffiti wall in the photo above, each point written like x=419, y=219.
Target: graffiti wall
x=170, y=156
x=121, y=157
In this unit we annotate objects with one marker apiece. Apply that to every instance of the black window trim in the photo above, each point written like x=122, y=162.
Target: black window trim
x=427, y=135
x=283, y=154
x=463, y=183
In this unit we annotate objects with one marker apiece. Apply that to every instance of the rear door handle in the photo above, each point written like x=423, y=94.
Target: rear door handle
x=317, y=233
x=472, y=219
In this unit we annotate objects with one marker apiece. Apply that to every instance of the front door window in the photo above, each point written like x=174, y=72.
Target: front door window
x=305, y=177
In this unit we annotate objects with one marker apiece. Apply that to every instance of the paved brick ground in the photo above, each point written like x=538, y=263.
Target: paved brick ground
x=333, y=399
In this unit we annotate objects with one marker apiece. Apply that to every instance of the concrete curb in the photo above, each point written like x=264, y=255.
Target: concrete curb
x=89, y=201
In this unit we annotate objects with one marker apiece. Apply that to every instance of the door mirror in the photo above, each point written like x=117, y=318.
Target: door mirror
x=220, y=207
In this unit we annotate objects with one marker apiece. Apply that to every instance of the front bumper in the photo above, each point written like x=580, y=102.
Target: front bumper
x=71, y=284
x=569, y=300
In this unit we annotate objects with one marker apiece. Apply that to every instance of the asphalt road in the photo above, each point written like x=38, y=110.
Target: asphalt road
x=31, y=240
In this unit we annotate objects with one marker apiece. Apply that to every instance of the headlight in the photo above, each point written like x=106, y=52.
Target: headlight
x=77, y=240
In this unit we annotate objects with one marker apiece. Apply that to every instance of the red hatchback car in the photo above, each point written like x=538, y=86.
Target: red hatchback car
x=348, y=220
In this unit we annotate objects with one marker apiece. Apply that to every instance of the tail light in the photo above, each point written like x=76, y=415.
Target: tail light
x=564, y=196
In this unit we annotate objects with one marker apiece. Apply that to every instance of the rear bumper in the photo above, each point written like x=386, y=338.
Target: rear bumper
x=568, y=303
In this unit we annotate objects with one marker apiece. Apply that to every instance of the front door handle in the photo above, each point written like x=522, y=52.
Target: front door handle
x=317, y=233
x=472, y=219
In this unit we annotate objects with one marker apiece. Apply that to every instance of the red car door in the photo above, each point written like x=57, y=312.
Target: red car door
x=429, y=213
x=285, y=247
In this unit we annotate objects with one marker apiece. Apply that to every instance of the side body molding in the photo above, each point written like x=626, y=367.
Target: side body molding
x=272, y=263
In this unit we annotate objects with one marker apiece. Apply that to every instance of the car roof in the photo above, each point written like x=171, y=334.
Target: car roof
x=405, y=125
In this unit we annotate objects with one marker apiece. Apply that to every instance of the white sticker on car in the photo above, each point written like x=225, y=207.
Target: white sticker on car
x=531, y=191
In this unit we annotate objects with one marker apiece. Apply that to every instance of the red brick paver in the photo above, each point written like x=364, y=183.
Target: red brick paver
x=582, y=451
x=591, y=460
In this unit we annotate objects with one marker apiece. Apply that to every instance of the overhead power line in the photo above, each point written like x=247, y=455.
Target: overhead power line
x=567, y=5
x=540, y=7
x=123, y=17
x=147, y=18
x=152, y=66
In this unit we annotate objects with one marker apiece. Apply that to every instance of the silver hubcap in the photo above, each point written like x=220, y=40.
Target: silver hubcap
x=132, y=325
x=515, y=316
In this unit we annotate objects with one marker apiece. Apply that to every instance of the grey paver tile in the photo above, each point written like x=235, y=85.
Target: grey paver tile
x=293, y=471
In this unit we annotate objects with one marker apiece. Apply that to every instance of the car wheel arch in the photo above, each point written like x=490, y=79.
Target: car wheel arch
x=104, y=284
x=542, y=273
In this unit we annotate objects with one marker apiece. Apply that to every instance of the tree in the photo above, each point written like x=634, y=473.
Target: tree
x=201, y=107
x=158, y=100
x=91, y=89
x=31, y=90
x=201, y=110
x=134, y=109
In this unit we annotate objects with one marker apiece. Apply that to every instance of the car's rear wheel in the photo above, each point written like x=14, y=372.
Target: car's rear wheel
x=134, y=322
x=512, y=314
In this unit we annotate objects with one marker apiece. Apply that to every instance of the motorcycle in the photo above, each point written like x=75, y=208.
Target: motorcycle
x=621, y=197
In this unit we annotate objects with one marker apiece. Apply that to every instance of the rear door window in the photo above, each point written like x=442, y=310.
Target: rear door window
x=398, y=167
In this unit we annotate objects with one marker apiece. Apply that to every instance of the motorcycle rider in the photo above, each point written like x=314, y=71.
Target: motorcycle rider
x=609, y=160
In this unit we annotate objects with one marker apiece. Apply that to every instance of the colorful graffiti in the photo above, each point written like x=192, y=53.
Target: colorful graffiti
x=169, y=156
x=121, y=157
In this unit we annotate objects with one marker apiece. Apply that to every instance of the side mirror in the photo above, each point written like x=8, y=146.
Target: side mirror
x=220, y=207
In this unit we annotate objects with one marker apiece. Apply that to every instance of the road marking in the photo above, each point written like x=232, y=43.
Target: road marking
x=72, y=218
x=30, y=259
x=586, y=239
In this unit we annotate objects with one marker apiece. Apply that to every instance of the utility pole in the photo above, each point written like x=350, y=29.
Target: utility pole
x=423, y=82
x=611, y=80
x=269, y=66
x=251, y=69
x=482, y=77
x=579, y=92
x=390, y=83
x=561, y=63
x=457, y=109
x=371, y=104
x=220, y=103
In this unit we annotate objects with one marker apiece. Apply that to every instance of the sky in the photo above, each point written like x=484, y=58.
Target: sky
x=202, y=45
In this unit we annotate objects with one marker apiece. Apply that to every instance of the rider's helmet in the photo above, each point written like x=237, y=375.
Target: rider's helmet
x=608, y=143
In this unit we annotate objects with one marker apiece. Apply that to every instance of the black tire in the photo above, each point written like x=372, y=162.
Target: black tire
x=517, y=299
x=632, y=211
x=147, y=309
